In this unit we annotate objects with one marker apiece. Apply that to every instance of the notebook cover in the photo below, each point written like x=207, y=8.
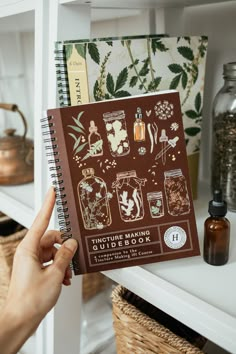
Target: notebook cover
x=127, y=193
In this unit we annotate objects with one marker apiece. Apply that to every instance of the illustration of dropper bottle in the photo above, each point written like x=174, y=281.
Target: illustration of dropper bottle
x=171, y=143
x=139, y=126
x=163, y=140
x=94, y=139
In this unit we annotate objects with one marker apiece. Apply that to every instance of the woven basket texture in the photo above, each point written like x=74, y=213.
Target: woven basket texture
x=8, y=245
x=93, y=283
x=137, y=333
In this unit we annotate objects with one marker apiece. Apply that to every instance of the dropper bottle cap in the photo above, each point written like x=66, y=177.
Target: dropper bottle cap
x=93, y=128
x=138, y=114
x=217, y=206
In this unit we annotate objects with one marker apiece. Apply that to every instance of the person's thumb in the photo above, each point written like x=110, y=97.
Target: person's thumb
x=64, y=256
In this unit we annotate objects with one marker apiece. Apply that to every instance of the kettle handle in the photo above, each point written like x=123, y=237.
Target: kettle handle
x=14, y=108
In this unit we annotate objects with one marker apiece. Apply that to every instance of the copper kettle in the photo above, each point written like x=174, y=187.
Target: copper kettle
x=16, y=154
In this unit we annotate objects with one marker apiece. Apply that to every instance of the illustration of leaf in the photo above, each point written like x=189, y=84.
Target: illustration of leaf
x=96, y=91
x=133, y=64
x=77, y=129
x=122, y=93
x=191, y=114
x=80, y=48
x=186, y=52
x=94, y=149
x=192, y=131
x=158, y=45
x=69, y=49
x=121, y=79
x=175, y=82
x=175, y=68
x=198, y=102
x=94, y=53
x=73, y=136
x=77, y=143
x=80, y=147
x=153, y=85
x=188, y=39
x=133, y=81
x=77, y=122
x=184, y=80
x=144, y=70
x=110, y=84
x=155, y=210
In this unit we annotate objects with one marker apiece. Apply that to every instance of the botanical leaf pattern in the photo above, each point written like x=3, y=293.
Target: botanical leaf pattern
x=120, y=68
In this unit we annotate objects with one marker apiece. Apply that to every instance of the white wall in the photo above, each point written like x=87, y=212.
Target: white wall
x=16, y=78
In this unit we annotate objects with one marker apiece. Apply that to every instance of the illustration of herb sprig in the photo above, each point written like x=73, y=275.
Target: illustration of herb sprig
x=188, y=73
x=80, y=142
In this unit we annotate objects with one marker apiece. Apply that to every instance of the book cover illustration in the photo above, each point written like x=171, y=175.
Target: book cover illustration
x=110, y=69
x=125, y=175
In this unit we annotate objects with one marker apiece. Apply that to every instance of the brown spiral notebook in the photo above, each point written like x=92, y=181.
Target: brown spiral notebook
x=121, y=175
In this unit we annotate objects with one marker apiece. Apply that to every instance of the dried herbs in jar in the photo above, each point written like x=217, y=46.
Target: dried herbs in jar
x=224, y=138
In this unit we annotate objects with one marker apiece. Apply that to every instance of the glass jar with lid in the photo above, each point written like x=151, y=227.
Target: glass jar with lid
x=224, y=138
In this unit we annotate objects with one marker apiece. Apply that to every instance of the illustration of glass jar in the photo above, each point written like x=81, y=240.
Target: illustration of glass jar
x=155, y=201
x=117, y=135
x=129, y=195
x=176, y=192
x=94, y=201
x=94, y=140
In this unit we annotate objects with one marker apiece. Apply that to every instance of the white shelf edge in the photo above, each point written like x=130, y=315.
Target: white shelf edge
x=204, y=318
x=15, y=206
x=15, y=7
x=140, y=4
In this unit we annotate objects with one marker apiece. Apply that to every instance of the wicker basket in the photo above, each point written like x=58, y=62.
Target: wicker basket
x=8, y=244
x=93, y=283
x=137, y=333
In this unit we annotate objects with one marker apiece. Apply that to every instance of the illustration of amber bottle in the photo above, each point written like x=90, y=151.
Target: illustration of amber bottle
x=94, y=201
x=129, y=195
x=94, y=140
x=139, y=126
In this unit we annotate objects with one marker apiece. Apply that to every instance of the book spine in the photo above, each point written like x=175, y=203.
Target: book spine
x=61, y=75
x=77, y=73
x=56, y=174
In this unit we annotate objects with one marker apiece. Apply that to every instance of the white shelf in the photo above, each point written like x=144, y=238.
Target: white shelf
x=18, y=203
x=199, y=295
x=14, y=7
x=140, y=4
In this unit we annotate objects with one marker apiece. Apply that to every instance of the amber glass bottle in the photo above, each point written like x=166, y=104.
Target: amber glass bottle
x=216, y=232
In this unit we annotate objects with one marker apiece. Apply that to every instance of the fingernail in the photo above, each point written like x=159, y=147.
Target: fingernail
x=71, y=244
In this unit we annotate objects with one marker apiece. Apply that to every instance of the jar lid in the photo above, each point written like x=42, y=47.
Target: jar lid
x=230, y=70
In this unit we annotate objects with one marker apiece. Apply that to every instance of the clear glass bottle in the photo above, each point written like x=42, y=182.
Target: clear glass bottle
x=139, y=126
x=94, y=201
x=94, y=140
x=224, y=138
x=176, y=192
x=117, y=134
x=129, y=195
x=216, y=232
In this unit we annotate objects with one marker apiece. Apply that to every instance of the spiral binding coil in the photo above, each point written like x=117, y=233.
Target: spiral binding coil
x=48, y=131
x=61, y=74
